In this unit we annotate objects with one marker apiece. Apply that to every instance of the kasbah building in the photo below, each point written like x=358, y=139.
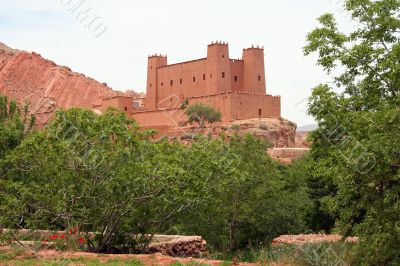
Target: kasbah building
x=235, y=87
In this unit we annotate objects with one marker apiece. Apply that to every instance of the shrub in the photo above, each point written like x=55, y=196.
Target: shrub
x=235, y=127
x=264, y=127
x=201, y=114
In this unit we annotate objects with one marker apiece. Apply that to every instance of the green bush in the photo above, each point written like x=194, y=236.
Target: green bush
x=201, y=114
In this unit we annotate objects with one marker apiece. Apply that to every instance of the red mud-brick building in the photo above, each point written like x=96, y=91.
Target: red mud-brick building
x=235, y=87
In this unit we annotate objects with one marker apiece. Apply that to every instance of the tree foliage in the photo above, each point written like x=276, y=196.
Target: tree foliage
x=100, y=174
x=357, y=146
x=15, y=123
x=200, y=113
x=253, y=200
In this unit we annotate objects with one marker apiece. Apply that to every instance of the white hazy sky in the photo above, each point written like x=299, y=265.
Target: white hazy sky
x=181, y=29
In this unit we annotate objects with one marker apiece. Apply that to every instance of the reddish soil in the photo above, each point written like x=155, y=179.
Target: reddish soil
x=153, y=259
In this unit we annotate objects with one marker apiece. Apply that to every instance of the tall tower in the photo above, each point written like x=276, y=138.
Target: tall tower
x=154, y=62
x=218, y=67
x=254, y=70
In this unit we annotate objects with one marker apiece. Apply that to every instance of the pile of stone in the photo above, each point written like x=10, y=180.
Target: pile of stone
x=178, y=246
x=311, y=238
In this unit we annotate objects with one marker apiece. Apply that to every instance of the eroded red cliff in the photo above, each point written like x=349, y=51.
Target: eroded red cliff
x=46, y=86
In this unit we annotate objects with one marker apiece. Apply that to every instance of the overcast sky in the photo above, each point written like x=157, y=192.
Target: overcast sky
x=112, y=44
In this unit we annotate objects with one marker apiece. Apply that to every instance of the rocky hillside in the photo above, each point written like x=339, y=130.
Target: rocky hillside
x=278, y=132
x=46, y=86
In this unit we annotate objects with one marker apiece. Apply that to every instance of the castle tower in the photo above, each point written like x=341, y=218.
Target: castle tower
x=218, y=67
x=154, y=62
x=254, y=70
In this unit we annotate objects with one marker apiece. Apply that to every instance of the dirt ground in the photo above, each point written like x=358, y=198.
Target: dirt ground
x=52, y=257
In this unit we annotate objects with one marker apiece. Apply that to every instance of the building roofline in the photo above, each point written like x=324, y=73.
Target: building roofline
x=182, y=63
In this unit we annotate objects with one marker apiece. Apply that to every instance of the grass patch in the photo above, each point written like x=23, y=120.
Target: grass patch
x=334, y=254
x=190, y=263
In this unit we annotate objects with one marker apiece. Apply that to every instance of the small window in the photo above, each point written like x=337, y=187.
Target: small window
x=162, y=83
x=204, y=76
x=223, y=75
x=236, y=78
x=194, y=79
x=180, y=81
x=223, y=56
x=259, y=78
x=126, y=109
x=259, y=112
x=151, y=67
x=172, y=83
x=151, y=85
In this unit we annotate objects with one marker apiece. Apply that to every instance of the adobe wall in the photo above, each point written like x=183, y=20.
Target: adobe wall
x=221, y=102
x=237, y=76
x=183, y=80
x=122, y=103
x=233, y=106
x=245, y=106
x=160, y=118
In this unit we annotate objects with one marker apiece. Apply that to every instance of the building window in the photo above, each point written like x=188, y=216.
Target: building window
x=162, y=83
x=223, y=75
x=259, y=112
x=259, y=78
x=236, y=78
x=194, y=79
x=223, y=56
x=180, y=81
x=204, y=76
x=151, y=85
x=172, y=83
x=126, y=109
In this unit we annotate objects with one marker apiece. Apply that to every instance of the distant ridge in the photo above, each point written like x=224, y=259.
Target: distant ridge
x=8, y=49
x=307, y=128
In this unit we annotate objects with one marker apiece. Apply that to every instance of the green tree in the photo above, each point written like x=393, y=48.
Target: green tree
x=252, y=199
x=98, y=173
x=15, y=123
x=201, y=114
x=356, y=146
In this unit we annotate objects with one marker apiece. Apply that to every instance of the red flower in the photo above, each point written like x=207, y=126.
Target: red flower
x=81, y=240
x=70, y=231
x=53, y=237
x=62, y=236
